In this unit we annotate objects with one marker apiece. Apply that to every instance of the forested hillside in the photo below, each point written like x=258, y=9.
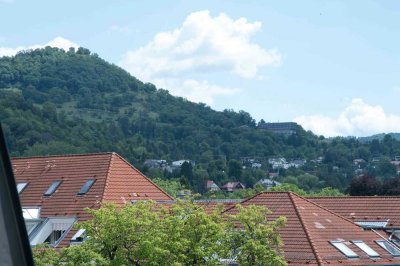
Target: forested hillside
x=57, y=102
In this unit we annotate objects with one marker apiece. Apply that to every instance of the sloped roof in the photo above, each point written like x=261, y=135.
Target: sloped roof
x=116, y=181
x=364, y=208
x=232, y=185
x=309, y=229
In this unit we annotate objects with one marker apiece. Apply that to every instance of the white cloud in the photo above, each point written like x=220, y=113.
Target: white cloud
x=58, y=42
x=358, y=119
x=6, y=1
x=202, y=44
x=193, y=90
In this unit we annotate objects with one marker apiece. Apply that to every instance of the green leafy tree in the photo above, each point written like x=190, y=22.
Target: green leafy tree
x=43, y=255
x=285, y=187
x=329, y=192
x=192, y=236
x=184, y=234
x=84, y=255
x=171, y=186
x=258, y=242
x=125, y=236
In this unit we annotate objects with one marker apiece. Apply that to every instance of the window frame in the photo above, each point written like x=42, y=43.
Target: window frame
x=367, y=249
x=88, y=185
x=25, y=184
x=344, y=249
x=52, y=188
x=390, y=244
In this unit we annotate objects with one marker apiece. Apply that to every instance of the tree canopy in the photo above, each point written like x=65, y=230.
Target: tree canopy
x=182, y=234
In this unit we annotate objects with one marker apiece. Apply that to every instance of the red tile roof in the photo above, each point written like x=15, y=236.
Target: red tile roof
x=364, y=208
x=116, y=181
x=309, y=229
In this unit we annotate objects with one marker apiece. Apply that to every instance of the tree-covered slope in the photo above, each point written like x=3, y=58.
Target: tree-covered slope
x=55, y=102
x=79, y=102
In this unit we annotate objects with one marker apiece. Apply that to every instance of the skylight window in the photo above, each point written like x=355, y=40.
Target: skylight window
x=78, y=237
x=85, y=188
x=389, y=247
x=364, y=247
x=53, y=187
x=21, y=187
x=31, y=213
x=342, y=247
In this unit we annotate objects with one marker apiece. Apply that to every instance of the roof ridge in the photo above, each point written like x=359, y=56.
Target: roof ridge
x=291, y=194
x=107, y=177
x=250, y=198
x=148, y=179
x=62, y=155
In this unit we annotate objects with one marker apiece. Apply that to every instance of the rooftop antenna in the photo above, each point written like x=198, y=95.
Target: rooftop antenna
x=14, y=245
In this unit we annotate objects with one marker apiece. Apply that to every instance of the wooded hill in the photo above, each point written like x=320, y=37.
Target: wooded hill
x=57, y=102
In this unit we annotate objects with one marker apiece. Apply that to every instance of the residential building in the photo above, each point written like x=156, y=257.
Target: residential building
x=315, y=235
x=155, y=163
x=273, y=175
x=286, y=128
x=55, y=190
x=176, y=165
x=366, y=209
x=268, y=183
x=211, y=186
x=232, y=186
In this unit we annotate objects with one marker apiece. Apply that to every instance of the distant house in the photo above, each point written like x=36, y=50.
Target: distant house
x=397, y=165
x=358, y=162
x=55, y=190
x=251, y=162
x=297, y=163
x=176, y=165
x=232, y=186
x=184, y=193
x=211, y=186
x=273, y=175
x=286, y=128
x=155, y=163
x=180, y=162
x=278, y=163
x=268, y=183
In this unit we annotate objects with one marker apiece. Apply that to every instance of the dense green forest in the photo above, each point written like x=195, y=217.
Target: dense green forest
x=57, y=102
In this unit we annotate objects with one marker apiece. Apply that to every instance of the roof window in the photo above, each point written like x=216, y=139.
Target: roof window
x=21, y=187
x=364, y=247
x=53, y=187
x=79, y=236
x=389, y=247
x=85, y=188
x=342, y=247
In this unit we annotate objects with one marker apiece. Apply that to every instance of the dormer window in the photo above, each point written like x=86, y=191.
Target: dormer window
x=53, y=187
x=85, y=188
x=342, y=247
x=389, y=247
x=21, y=187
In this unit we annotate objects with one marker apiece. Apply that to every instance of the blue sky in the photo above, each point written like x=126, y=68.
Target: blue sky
x=332, y=66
